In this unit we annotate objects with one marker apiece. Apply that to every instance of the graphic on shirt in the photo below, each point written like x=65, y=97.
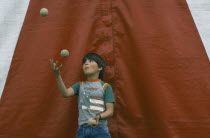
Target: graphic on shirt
x=91, y=99
x=90, y=103
x=85, y=98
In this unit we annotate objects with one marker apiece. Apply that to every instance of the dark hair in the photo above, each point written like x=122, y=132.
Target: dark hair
x=99, y=60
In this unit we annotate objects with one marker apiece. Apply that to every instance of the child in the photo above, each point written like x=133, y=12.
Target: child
x=95, y=97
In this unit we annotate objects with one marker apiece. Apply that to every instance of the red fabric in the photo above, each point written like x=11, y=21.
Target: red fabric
x=157, y=66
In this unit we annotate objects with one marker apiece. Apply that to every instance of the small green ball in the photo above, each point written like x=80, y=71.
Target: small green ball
x=64, y=53
x=43, y=12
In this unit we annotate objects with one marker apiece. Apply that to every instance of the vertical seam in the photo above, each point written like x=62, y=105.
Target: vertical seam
x=115, y=64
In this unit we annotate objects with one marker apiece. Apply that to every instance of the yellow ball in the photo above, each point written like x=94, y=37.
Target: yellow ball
x=64, y=53
x=44, y=12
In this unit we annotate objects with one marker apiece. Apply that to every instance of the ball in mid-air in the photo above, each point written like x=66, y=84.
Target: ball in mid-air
x=44, y=12
x=64, y=53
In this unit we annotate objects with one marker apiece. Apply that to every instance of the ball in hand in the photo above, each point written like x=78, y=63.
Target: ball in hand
x=44, y=12
x=64, y=53
x=91, y=121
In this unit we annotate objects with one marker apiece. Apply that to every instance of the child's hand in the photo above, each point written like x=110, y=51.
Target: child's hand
x=54, y=67
x=92, y=122
x=97, y=120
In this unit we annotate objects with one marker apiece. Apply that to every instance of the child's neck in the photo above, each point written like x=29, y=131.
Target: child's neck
x=93, y=77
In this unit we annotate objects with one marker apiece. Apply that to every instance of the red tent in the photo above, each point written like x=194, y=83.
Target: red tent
x=156, y=64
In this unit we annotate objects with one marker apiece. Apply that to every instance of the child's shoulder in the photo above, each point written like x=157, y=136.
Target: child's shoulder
x=81, y=82
x=106, y=85
x=103, y=83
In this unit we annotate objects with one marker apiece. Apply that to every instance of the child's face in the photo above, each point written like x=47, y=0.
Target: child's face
x=90, y=67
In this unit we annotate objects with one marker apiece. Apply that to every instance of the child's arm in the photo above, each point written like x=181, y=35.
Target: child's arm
x=109, y=102
x=105, y=115
x=109, y=111
x=65, y=92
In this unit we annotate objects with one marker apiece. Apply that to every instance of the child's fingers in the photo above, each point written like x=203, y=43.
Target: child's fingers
x=96, y=123
x=96, y=118
x=59, y=67
x=52, y=63
x=54, y=66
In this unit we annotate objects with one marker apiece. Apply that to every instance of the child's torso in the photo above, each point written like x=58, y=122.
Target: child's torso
x=91, y=101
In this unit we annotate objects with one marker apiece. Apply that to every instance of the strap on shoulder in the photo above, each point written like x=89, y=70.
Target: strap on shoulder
x=81, y=82
x=105, y=85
